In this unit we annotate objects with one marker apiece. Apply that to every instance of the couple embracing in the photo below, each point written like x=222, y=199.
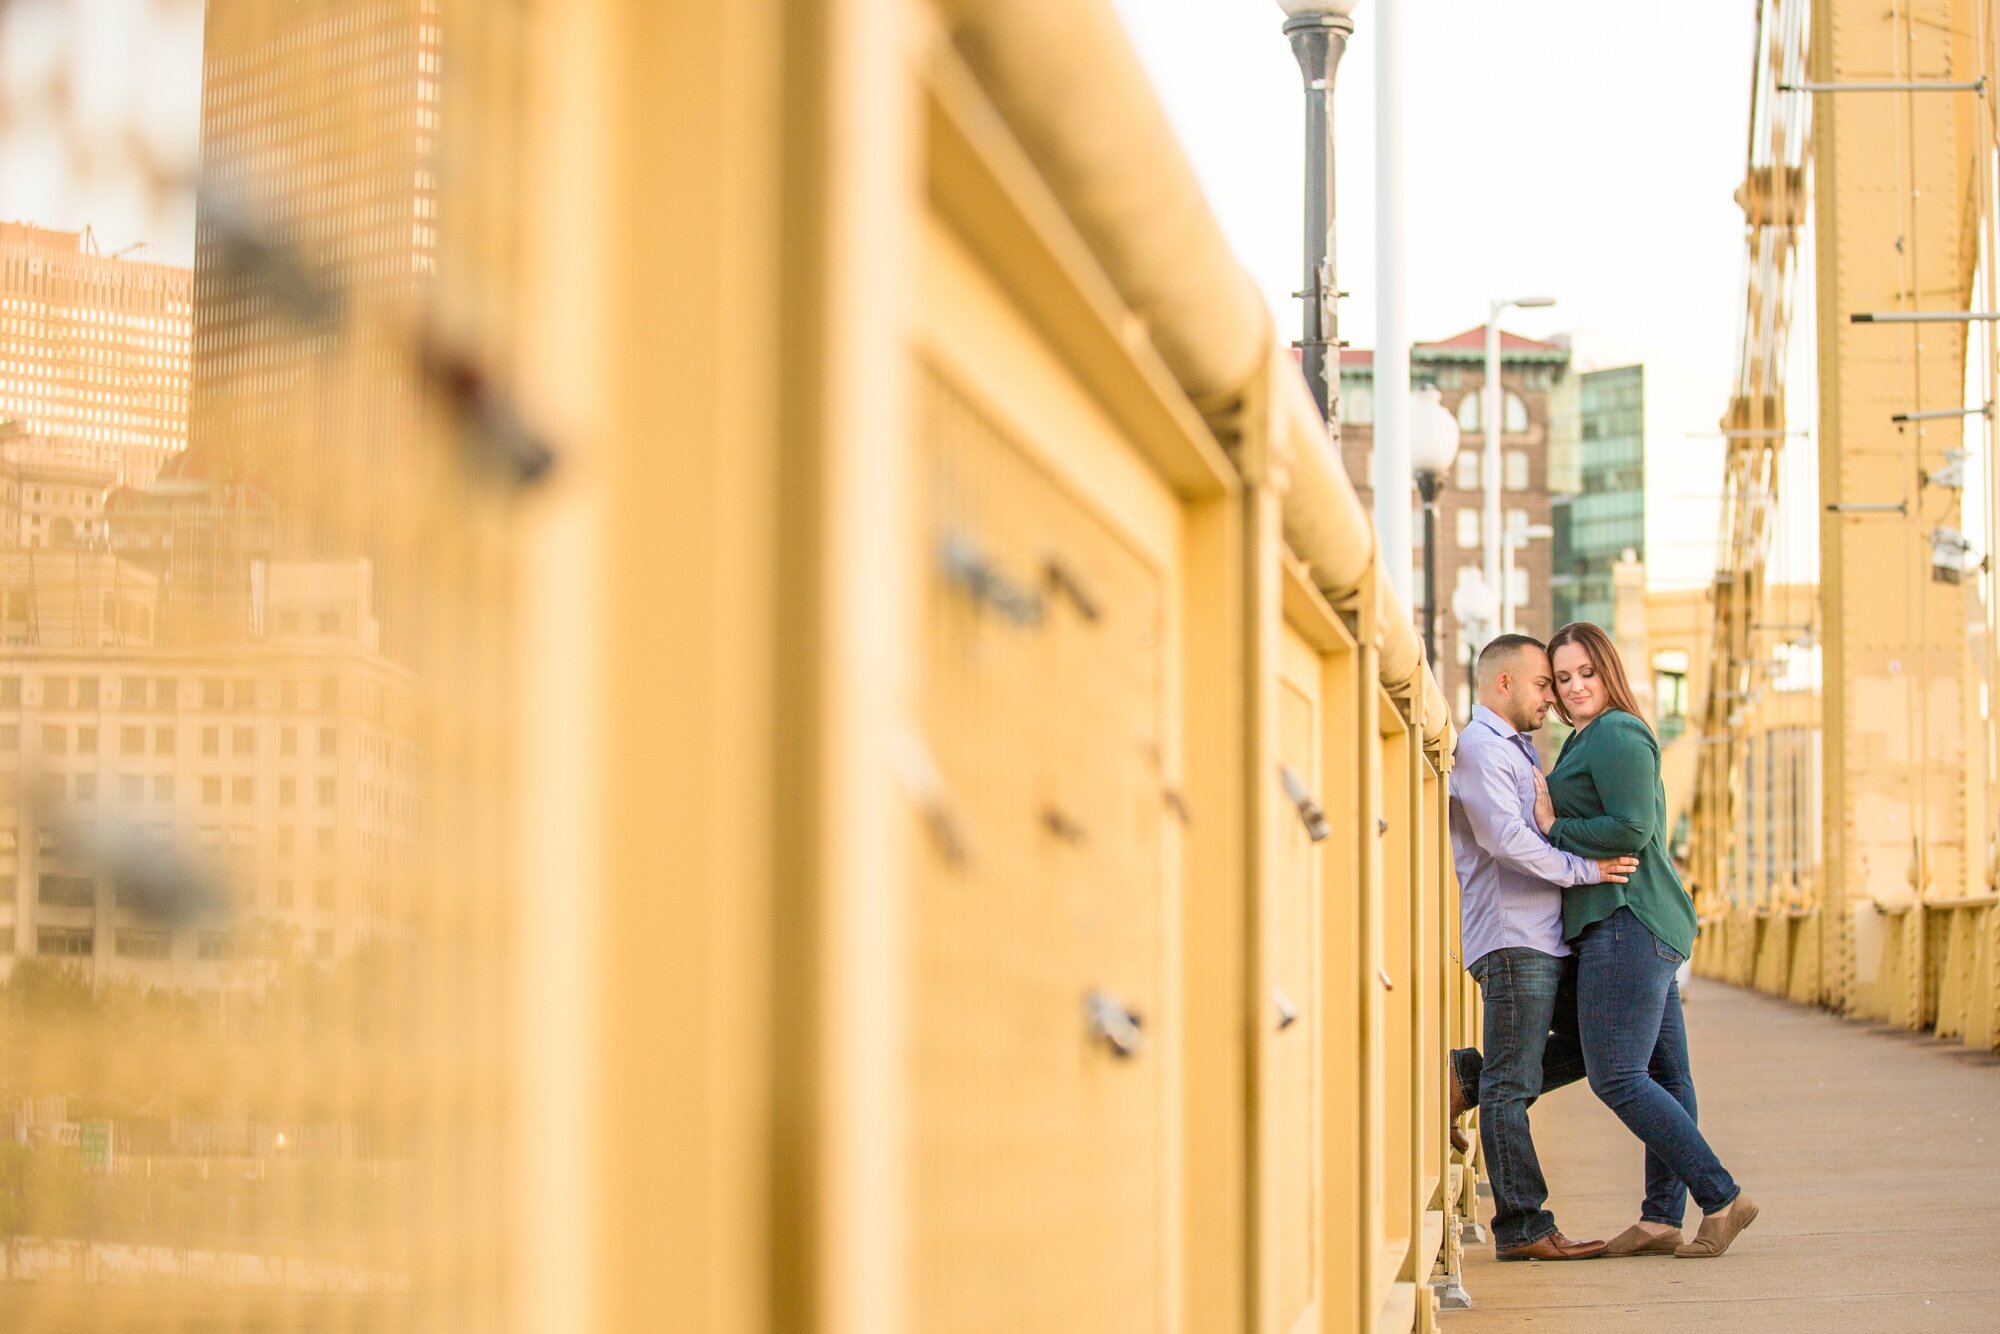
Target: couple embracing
x=1574, y=925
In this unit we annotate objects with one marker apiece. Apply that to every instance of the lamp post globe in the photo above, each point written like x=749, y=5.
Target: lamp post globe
x=1317, y=8
x=1434, y=433
x=1433, y=444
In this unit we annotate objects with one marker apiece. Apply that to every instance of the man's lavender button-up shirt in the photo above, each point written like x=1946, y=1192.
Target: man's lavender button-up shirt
x=1510, y=878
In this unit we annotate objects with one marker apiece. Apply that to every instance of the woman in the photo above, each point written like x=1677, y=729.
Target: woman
x=1604, y=798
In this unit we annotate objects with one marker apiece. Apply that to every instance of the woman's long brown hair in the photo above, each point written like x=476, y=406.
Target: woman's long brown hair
x=1604, y=658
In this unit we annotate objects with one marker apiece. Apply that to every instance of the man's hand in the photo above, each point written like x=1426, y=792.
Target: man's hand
x=1545, y=809
x=1615, y=870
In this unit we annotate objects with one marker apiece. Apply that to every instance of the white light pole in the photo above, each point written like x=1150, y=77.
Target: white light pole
x=1433, y=445
x=1391, y=479
x=1489, y=524
x=1518, y=537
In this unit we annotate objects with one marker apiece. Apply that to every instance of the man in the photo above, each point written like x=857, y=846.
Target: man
x=1511, y=881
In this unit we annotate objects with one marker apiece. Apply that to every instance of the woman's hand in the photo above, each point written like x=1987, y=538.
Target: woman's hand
x=1545, y=809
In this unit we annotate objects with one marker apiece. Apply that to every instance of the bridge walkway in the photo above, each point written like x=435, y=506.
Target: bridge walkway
x=1873, y=1153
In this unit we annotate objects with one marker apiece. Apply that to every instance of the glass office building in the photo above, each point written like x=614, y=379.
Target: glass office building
x=1607, y=516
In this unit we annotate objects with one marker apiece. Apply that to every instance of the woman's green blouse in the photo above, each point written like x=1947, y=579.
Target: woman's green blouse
x=1610, y=802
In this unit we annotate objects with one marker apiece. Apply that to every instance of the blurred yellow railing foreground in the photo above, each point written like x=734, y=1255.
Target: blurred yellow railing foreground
x=710, y=673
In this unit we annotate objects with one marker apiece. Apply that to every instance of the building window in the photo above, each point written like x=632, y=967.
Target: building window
x=211, y=791
x=86, y=692
x=324, y=837
x=10, y=690
x=1468, y=529
x=215, y=946
x=132, y=692
x=211, y=740
x=326, y=792
x=1469, y=411
x=329, y=741
x=1357, y=405
x=55, y=692
x=143, y=944
x=1469, y=459
x=1514, y=420
x=1517, y=469
x=67, y=891
x=245, y=694
x=287, y=792
x=131, y=787
x=132, y=741
x=55, y=740
x=163, y=740
x=244, y=742
x=212, y=694
x=323, y=895
x=1517, y=586
x=63, y=942
x=86, y=787
x=1670, y=692
x=86, y=740
x=242, y=791
x=288, y=741
x=163, y=787
x=164, y=694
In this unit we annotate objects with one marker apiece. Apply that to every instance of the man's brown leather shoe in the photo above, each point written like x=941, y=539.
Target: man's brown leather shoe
x=1458, y=1138
x=1556, y=1246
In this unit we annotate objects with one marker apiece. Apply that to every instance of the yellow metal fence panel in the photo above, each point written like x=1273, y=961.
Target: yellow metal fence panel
x=1037, y=936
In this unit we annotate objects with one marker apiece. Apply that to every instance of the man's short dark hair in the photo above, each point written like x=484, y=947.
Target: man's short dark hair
x=1502, y=649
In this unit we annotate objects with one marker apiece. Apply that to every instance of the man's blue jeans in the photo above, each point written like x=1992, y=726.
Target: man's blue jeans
x=1635, y=1046
x=1531, y=1046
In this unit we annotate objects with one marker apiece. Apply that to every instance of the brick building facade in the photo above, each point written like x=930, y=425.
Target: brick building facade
x=1537, y=456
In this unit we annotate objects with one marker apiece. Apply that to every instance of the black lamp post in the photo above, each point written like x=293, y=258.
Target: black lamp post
x=1433, y=445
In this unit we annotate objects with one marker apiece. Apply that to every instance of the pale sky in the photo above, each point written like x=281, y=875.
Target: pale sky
x=1582, y=149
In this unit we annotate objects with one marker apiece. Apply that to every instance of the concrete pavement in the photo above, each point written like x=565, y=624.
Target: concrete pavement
x=1874, y=1155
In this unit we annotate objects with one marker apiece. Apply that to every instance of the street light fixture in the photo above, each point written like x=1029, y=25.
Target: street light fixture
x=1489, y=525
x=1518, y=537
x=1319, y=30
x=1473, y=608
x=1433, y=445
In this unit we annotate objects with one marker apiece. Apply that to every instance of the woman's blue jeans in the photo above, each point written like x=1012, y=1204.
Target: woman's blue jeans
x=1635, y=1055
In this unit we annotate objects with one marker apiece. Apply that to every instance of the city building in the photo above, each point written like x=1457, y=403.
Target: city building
x=93, y=352
x=1605, y=521
x=282, y=771
x=315, y=245
x=1533, y=376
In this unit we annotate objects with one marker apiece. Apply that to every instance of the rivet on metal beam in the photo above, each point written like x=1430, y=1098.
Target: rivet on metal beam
x=1941, y=414
x=1064, y=582
x=1923, y=316
x=923, y=786
x=1059, y=824
x=1120, y=1030
x=967, y=567
x=1310, y=813
x=1977, y=85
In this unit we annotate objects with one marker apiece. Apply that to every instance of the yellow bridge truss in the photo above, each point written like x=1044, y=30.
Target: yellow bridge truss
x=1898, y=922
